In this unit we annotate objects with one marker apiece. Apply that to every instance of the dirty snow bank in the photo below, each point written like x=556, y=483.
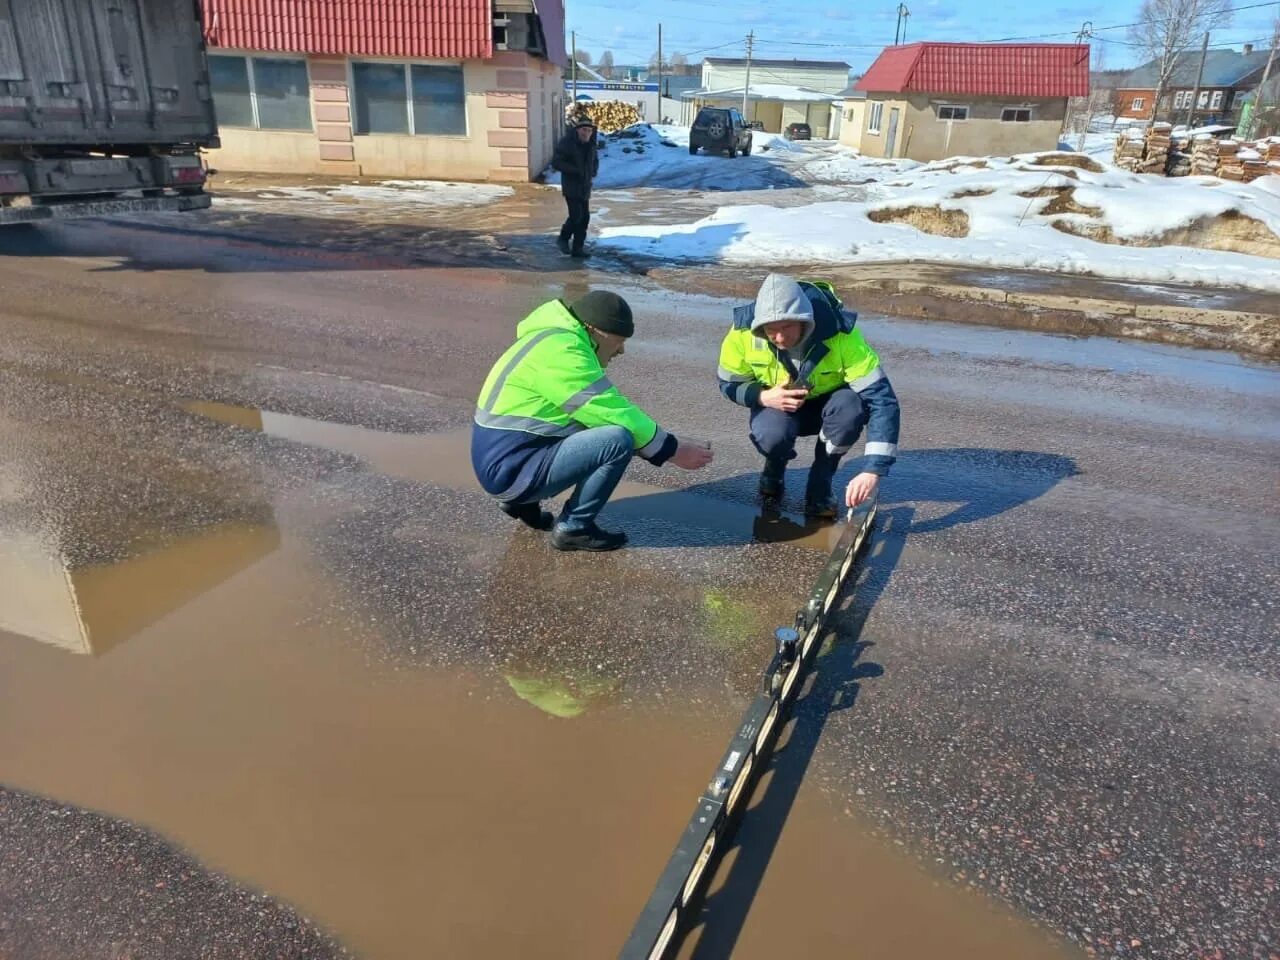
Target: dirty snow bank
x=1001, y=213
x=414, y=194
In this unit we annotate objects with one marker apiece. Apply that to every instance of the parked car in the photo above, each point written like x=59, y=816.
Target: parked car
x=722, y=130
x=798, y=131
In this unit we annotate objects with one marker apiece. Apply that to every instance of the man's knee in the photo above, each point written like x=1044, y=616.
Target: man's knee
x=844, y=414
x=616, y=443
x=774, y=433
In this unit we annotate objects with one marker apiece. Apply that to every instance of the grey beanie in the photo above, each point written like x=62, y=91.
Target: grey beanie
x=606, y=311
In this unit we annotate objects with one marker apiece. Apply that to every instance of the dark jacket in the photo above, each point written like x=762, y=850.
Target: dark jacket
x=578, y=164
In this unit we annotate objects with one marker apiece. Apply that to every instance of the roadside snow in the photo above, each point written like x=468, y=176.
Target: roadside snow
x=1001, y=214
x=414, y=194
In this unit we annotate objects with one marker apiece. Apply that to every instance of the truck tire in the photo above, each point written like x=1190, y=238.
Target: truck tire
x=692, y=149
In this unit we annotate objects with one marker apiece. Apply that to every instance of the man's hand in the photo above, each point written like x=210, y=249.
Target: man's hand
x=784, y=398
x=861, y=489
x=689, y=456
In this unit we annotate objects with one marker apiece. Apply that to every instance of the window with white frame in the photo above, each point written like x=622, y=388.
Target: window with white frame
x=1181, y=99
x=1203, y=102
x=1015, y=115
x=1215, y=102
x=263, y=93
x=415, y=99
x=876, y=117
x=1138, y=103
x=952, y=111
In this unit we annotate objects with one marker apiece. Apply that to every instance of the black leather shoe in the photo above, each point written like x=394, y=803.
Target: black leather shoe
x=773, y=479
x=563, y=244
x=820, y=508
x=592, y=538
x=530, y=514
x=579, y=254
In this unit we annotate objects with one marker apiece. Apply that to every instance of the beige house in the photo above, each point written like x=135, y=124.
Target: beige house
x=456, y=90
x=782, y=92
x=929, y=101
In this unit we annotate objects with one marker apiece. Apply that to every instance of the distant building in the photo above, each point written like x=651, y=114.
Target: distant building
x=1227, y=76
x=927, y=101
x=782, y=92
x=438, y=89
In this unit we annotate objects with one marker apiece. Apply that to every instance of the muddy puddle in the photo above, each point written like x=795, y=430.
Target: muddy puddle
x=207, y=689
x=446, y=459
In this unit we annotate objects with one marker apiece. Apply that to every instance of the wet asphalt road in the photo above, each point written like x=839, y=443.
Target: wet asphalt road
x=1067, y=679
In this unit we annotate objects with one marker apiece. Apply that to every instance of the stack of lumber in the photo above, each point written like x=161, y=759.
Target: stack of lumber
x=1204, y=156
x=1230, y=166
x=1157, y=144
x=1130, y=151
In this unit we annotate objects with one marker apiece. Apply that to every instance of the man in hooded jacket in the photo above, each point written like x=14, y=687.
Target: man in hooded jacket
x=578, y=162
x=795, y=360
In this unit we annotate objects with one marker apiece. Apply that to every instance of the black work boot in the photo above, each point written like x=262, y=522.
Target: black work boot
x=530, y=514
x=772, y=478
x=563, y=244
x=592, y=538
x=819, y=504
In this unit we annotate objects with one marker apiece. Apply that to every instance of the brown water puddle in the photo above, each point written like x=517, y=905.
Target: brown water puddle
x=445, y=459
x=421, y=815
x=413, y=812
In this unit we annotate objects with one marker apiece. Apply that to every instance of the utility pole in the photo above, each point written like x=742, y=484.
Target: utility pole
x=574, y=35
x=1258, y=100
x=900, y=32
x=659, y=117
x=746, y=86
x=1086, y=31
x=1195, y=94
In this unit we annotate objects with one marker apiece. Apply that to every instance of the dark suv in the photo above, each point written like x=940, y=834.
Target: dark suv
x=721, y=130
x=799, y=131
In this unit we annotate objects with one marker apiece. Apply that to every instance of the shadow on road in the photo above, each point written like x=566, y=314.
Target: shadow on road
x=833, y=686
x=982, y=483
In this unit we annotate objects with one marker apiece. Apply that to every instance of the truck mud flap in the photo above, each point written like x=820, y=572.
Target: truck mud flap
x=103, y=208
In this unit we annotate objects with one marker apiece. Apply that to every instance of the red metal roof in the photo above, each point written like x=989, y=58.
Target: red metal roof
x=454, y=29
x=981, y=69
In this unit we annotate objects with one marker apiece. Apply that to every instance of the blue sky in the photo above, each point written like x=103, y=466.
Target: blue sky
x=824, y=30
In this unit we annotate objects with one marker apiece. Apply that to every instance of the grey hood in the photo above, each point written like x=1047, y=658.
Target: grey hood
x=781, y=298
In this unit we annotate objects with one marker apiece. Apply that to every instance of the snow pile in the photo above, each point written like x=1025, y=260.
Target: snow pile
x=405, y=194
x=1002, y=213
x=657, y=155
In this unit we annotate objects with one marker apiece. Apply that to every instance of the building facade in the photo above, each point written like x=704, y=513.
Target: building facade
x=452, y=90
x=1210, y=94
x=782, y=91
x=929, y=101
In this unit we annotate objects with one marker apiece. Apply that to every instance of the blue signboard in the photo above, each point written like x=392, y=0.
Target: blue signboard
x=611, y=85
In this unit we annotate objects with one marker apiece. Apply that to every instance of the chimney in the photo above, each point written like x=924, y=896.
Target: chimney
x=1248, y=49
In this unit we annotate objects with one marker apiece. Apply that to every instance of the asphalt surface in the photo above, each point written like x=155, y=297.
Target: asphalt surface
x=1057, y=681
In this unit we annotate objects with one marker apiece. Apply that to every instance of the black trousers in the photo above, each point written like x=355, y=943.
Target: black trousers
x=579, y=219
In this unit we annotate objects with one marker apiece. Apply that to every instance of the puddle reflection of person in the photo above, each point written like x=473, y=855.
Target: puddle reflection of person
x=794, y=359
x=548, y=418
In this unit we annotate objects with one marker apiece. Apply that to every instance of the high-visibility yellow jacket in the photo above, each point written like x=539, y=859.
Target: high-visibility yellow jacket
x=548, y=386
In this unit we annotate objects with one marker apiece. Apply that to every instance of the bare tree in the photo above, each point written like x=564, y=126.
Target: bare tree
x=582, y=57
x=1166, y=29
x=679, y=64
x=653, y=61
x=604, y=66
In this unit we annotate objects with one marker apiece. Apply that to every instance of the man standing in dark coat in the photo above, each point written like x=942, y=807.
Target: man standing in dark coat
x=578, y=163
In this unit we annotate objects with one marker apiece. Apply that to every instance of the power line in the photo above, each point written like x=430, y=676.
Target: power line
x=1138, y=23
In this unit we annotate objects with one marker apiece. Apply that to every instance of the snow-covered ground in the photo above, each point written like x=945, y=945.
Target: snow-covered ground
x=390, y=195
x=981, y=211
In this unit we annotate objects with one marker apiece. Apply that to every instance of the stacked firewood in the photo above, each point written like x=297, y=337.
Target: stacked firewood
x=609, y=116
